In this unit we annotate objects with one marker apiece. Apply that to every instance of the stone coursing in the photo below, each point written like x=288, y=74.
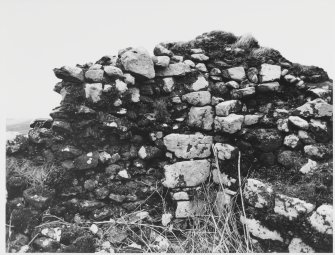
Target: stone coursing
x=133, y=120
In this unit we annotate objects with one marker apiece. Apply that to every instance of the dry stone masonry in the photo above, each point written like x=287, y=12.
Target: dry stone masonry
x=132, y=122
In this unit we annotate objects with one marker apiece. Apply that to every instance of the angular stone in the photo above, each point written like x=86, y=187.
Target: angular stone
x=268, y=87
x=225, y=108
x=161, y=61
x=201, y=67
x=258, y=230
x=138, y=62
x=291, y=207
x=291, y=141
x=298, y=122
x=269, y=72
x=95, y=75
x=237, y=73
x=129, y=79
x=251, y=119
x=319, y=151
x=121, y=86
x=252, y=74
x=93, y=91
x=258, y=194
x=189, y=63
x=232, y=85
x=168, y=84
x=201, y=117
x=196, y=51
x=322, y=219
x=104, y=157
x=160, y=50
x=241, y=93
x=68, y=73
x=199, y=98
x=319, y=92
x=199, y=84
x=317, y=108
x=282, y=125
x=199, y=57
x=230, y=124
x=177, y=69
x=113, y=71
x=182, y=195
x=186, y=173
x=87, y=161
x=190, y=208
x=149, y=152
x=225, y=151
x=308, y=167
x=298, y=246
x=189, y=146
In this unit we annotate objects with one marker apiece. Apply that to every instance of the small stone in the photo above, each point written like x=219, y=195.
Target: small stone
x=268, y=87
x=252, y=74
x=280, y=113
x=87, y=161
x=121, y=87
x=298, y=246
x=90, y=185
x=319, y=92
x=68, y=73
x=291, y=207
x=320, y=130
x=186, y=173
x=225, y=151
x=95, y=75
x=216, y=100
x=305, y=137
x=251, y=119
x=284, y=72
x=241, y=93
x=201, y=67
x=221, y=178
x=290, y=78
x=46, y=244
x=160, y=50
x=232, y=85
x=189, y=146
x=258, y=194
x=196, y=51
x=166, y=219
x=200, y=83
x=230, y=124
x=149, y=152
x=227, y=107
x=298, y=122
x=117, y=197
x=176, y=58
x=291, y=141
x=138, y=62
x=201, y=117
x=270, y=72
x=199, y=57
x=190, y=63
x=182, y=195
x=322, y=219
x=124, y=174
x=189, y=209
x=308, y=167
x=168, y=84
x=94, y=229
x=161, y=61
x=319, y=151
x=282, y=125
x=237, y=73
x=93, y=91
x=129, y=79
x=113, y=71
x=199, y=98
x=215, y=72
x=177, y=69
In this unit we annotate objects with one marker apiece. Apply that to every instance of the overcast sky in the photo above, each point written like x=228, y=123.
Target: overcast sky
x=38, y=35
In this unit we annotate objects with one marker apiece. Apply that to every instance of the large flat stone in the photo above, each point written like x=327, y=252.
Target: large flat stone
x=189, y=146
x=186, y=173
x=230, y=124
x=177, y=69
x=270, y=72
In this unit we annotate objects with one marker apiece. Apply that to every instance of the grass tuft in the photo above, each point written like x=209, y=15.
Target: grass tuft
x=247, y=42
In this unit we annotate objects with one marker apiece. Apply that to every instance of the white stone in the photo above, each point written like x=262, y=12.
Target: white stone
x=129, y=79
x=186, y=173
x=104, y=156
x=298, y=246
x=322, y=219
x=237, y=73
x=124, y=174
x=113, y=71
x=201, y=67
x=282, y=125
x=107, y=88
x=230, y=124
x=232, y=84
x=224, y=151
x=190, y=63
x=168, y=84
x=94, y=229
x=308, y=167
x=121, y=86
x=142, y=153
x=257, y=193
x=134, y=95
x=255, y=228
x=251, y=119
x=166, y=219
x=189, y=146
x=161, y=61
x=241, y=93
x=270, y=72
x=199, y=98
x=189, y=208
x=93, y=91
x=227, y=107
x=182, y=195
x=199, y=57
x=291, y=140
x=291, y=207
x=201, y=117
x=298, y=122
x=96, y=75
x=200, y=83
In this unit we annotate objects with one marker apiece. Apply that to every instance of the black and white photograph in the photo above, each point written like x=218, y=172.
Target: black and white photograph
x=167, y=126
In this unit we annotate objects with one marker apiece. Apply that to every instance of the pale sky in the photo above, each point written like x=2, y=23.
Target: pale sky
x=38, y=35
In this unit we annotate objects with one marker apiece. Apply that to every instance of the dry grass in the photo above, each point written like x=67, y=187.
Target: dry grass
x=246, y=41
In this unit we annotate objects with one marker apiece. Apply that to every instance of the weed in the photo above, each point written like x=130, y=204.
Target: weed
x=247, y=42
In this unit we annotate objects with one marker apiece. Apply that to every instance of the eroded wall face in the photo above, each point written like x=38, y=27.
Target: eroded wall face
x=134, y=123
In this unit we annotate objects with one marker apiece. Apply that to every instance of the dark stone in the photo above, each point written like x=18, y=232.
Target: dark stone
x=264, y=139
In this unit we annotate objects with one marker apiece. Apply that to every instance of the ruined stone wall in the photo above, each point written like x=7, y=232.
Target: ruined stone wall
x=133, y=122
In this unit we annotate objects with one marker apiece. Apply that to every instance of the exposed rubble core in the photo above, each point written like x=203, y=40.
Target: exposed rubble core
x=133, y=123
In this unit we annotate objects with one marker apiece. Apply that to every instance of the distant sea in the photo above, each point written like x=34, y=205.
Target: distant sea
x=17, y=126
